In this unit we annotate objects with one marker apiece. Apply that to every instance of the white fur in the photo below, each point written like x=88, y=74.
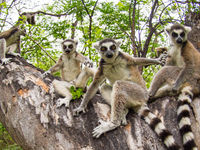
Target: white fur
x=70, y=73
x=188, y=137
x=64, y=101
x=183, y=107
x=175, y=53
x=184, y=97
x=184, y=121
x=169, y=141
x=188, y=29
x=103, y=127
x=147, y=120
x=187, y=89
x=159, y=128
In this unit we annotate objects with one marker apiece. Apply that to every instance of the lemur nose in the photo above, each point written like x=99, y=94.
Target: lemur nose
x=179, y=40
x=67, y=51
x=109, y=55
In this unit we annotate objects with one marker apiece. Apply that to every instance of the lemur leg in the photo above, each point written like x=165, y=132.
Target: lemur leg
x=165, y=78
x=123, y=96
x=11, y=49
x=83, y=77
x=166, y=90
x=106, y=91
x=3, y=58
x=158, y=80
x=62, y=88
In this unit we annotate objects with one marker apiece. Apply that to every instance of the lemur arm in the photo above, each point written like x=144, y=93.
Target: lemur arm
x=92, y=90
x=143, y=61
x=182, y=78
x=150, y=61
x=80, y=57
x=84, y=60
x=57, y=66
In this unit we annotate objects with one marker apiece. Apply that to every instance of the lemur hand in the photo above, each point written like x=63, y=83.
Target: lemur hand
x=5, y=61
x=78, y=110
x=88, y=63
x=162, y=59
x=46, y=73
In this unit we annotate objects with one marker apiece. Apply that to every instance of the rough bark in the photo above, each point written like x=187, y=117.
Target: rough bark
x=27, y=110
x=192, y=19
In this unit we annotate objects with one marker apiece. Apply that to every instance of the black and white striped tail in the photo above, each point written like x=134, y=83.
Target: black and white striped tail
x=160, y=129
x=183, y=113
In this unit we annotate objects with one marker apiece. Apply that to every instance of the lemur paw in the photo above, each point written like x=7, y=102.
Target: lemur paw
x=62, y=101
x=162, y=59
x=5, y=61
x=88, y=64
x=15, y=54
x=78, y=110
x=45, y=73
x=124, y=122
x=102, y=128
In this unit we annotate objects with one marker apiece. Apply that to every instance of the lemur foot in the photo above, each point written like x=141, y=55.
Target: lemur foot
x=103, y=127
x=78, y=110
x=45, y=73
x=62, y=101
x=5, y=61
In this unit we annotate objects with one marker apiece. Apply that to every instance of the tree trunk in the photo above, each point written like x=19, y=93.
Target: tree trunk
x=27, y=110
x=192, y=19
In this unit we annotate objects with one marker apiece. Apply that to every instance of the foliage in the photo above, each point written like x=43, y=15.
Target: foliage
x=76, y=92
x=6, y=142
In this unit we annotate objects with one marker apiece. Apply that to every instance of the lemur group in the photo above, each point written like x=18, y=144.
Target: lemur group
x=122, y=86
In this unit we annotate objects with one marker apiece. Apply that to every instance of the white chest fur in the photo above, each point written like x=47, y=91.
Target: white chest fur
x=116, y=71
x=175, y=53
x=71, y=68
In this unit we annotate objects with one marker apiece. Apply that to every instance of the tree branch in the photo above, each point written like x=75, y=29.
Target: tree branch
x=29, y=113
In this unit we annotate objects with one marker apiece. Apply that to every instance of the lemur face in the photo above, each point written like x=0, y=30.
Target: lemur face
x=69, y=46
x=108, y=49
x=178, y=33
x=179, y=36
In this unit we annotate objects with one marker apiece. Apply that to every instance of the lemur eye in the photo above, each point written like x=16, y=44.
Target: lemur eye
x=103, y=48
x=182, y=34
x=70, y=46
x=113, y=47
x=174, y=34
x=64, y=46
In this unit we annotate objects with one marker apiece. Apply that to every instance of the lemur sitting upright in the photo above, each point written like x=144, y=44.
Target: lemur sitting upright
x=180, y=75
x=69, y=64
x=126, y=90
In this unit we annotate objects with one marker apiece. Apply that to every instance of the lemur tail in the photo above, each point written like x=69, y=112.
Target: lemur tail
x=183, y=113
x=160, y=129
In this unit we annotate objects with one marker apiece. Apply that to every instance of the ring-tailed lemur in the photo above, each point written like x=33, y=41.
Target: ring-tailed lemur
x=126, y=90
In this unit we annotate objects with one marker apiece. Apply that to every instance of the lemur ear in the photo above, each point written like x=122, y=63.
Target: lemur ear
x=118, y=42
x=96, y=45
x=168, y=28
x=76, y=41
x=187, y=29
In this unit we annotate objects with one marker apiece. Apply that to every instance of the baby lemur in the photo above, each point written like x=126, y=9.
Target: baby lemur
x=181, y=74
x=126, y=90
x=72, y=74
